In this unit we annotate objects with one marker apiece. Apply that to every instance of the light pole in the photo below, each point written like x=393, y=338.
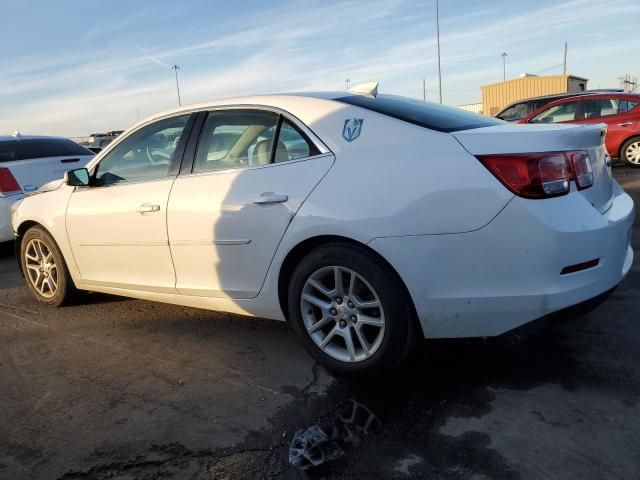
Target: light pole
x=176, y=68
x=504, y=66
x=438, y=40
x=347, y=81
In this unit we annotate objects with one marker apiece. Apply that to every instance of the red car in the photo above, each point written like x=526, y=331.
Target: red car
x=620, y=111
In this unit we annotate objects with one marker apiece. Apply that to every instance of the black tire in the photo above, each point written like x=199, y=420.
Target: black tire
x=624, y=153
x=400, y=331
x=65, y=289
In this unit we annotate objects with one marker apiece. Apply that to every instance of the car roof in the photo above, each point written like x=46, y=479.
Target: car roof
x=274, y=100
x=4, y=138
x=563, y=96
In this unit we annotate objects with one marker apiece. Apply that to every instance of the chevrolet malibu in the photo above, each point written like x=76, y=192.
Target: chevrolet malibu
x=366, y=220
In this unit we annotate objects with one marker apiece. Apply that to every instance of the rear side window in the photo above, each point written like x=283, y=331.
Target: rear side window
x=26, y=149
x=627, y=105
x=425, y=114
x=600, y=107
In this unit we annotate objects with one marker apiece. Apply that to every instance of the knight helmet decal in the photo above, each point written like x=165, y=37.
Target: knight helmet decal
x=352, y=128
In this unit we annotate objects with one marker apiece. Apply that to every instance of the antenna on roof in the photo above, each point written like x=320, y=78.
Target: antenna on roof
x=370, y=88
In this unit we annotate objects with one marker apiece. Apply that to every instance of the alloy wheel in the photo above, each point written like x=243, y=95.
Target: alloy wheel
x=42, y=270
x=632, y=153
x=342, y=314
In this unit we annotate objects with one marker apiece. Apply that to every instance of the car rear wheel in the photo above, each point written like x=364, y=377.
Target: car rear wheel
x=351, y=311
x=44, y=268
x=630, y=152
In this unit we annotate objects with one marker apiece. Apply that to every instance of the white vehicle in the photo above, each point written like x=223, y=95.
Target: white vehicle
x=27, y=162
x=365, y=220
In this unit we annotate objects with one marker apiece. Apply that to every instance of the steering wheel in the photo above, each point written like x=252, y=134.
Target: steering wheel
x=156, y=157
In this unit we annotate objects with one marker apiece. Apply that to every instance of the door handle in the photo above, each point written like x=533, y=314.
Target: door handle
x=270, y=198
x=148, y=208
x=625, y=124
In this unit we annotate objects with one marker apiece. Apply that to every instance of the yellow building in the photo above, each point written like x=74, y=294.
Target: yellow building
x=496, y=96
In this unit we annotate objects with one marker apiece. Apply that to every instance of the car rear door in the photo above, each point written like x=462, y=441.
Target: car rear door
x=117, y=226
x=230, y=208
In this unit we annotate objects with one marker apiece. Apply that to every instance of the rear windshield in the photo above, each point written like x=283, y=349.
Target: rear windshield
x=425, y=114
x=26, y=149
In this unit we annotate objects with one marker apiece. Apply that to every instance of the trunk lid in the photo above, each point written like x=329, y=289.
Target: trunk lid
x=525, y=138
x=34, y=172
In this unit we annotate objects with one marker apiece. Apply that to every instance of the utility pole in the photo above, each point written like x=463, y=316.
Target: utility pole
x=438, y=40
x=564, y=61
x=504, y=66
x=176, y=68
x=347, y=81
x=424, y=90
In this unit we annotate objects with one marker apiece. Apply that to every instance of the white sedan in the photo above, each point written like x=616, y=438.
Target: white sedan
x=29, y=161
x=365, y=220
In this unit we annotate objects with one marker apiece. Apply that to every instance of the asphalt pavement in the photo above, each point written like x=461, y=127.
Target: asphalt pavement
x=127, y=389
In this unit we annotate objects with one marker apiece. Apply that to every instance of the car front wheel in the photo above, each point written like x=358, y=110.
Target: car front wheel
x=351, y=310
x=44, y=268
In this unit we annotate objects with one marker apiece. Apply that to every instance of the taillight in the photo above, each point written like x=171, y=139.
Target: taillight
x=581, y=169
x=8, y=183
x=540, y=175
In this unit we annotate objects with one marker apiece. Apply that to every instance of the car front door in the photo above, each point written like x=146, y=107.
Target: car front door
x=117, y=226
x=617, y=114
x=567, y=111
x=227, y=214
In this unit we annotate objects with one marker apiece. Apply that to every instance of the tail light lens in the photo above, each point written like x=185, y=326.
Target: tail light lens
x=581, y=168
x=541, y=175
x=8, y=183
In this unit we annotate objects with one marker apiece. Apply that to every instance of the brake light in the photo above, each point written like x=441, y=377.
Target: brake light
x=8, y=183
x=540, y=175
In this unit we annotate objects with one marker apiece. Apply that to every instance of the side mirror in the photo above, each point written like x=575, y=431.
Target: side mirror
x=77, y=178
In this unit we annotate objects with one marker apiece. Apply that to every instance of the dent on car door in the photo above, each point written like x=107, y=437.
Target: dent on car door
x=227, y=216
x=117, y=226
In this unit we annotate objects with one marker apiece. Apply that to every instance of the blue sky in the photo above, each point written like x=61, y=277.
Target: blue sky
x=73, y=67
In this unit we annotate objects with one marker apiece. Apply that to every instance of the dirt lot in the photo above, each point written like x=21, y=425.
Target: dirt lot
x=127, y=389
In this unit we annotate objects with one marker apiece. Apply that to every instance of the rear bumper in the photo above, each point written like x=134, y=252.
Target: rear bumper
x=6, y=230
x=498, y=278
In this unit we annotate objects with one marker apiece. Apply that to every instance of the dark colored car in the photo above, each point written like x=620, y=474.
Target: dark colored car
x=620, y=111
x=516, y=111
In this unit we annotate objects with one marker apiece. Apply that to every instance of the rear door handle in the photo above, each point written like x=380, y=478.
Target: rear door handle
x=625, y=124
x=269, y=198
x=148, y=208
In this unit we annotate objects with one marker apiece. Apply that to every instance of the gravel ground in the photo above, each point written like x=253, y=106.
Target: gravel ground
x=127, y=389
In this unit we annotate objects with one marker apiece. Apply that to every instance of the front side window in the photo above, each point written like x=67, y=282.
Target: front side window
x=514, y=112
x=145, y=154
x=564, y=112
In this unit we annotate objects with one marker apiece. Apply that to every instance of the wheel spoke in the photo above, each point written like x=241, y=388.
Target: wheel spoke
x=319, y=324
x=348, y=339
x=321, y=288
x=53, y=282
x=31, y=257
x=362, y=340
x=322, y=304
x=352, y=283
x=334, y=331
x=362, y=304
x=367, y=320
